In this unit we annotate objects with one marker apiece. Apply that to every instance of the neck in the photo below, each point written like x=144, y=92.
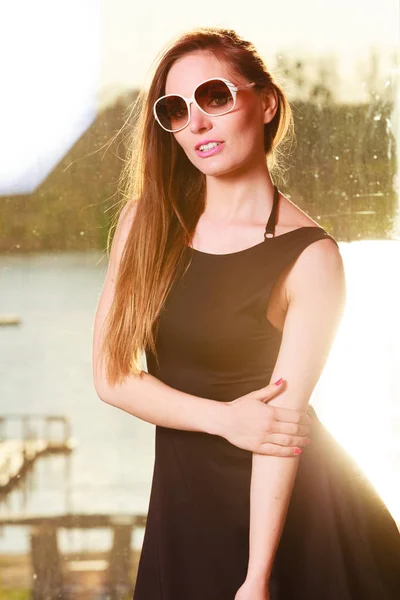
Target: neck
x=244, y=195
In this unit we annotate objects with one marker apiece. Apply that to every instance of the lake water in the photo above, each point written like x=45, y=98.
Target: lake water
x=45, y=367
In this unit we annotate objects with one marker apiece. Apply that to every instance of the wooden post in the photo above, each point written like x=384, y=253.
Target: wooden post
x=46, y=564
x=118, y=579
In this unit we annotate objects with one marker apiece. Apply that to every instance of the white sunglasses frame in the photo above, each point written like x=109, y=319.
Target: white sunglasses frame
x=232, y=87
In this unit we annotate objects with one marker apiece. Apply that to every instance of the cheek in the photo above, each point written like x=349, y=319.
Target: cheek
x=184, y=143
x=179, y=139
x=246, y=133
x=247, y=124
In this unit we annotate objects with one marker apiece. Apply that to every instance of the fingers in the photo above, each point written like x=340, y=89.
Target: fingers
x=269, y=391
x=283, y=439
x=291, y=416
x=274, y=450
x=289, y=428
x=273, y=389
x=281, y=414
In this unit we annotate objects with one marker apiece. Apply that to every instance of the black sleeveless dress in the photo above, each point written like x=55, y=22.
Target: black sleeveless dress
x=339, y=540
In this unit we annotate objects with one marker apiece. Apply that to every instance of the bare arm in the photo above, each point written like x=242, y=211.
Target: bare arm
x=146, y=397
x=315, y=289
x=248, y=423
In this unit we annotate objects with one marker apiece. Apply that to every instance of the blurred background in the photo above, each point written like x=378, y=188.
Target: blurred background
x=75, y=473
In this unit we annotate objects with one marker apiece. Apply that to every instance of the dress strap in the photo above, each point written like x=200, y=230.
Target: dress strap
x=270, y=227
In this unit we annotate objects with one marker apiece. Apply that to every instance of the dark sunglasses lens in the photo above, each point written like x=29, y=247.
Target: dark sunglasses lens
x=214, y=97
x=172, y=112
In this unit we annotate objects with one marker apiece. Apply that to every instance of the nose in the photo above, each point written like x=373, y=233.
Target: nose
x=198, y=120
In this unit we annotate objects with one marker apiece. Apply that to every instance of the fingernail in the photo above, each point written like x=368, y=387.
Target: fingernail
x=279, y=381
x=298, y=450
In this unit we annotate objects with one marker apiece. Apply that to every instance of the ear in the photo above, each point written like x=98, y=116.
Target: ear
x=270, y=104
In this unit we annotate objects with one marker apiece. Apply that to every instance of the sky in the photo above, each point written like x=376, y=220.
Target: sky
x=51, y=77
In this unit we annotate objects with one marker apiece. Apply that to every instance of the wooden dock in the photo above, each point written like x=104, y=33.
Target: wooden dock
x=55, y=575
x=10, y=320
x=24, y=438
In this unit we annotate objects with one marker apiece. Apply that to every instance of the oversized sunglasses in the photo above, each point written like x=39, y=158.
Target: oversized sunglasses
x=214, y=97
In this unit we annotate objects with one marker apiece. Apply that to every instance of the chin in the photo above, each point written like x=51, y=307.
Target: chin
x=221, y=170
x=216, y=171
x=215, y=168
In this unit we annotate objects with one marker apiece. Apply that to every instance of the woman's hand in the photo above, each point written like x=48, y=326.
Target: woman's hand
x=253, y=590
x=253, y=425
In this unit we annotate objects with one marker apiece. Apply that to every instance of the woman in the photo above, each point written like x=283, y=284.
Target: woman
x=228, y=287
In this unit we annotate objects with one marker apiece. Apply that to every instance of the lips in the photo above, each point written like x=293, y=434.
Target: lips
x=204, y=142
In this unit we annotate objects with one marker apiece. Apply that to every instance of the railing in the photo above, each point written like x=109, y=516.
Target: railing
x=26, y=437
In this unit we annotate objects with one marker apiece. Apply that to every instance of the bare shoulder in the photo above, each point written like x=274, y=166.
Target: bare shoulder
x=319, y=267
x=318, y=273
x=290, y=216
x=320, y=254
x=126, y=215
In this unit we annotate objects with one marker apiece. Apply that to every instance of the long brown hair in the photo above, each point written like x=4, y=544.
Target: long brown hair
x=169, y=197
